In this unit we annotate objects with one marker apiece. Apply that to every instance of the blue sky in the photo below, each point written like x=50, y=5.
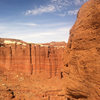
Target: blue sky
x=38, y=21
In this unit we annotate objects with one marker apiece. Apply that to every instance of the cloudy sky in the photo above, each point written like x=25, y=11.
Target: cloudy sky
x=38, y=21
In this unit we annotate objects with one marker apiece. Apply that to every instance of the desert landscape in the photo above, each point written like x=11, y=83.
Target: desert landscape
x=55, y=70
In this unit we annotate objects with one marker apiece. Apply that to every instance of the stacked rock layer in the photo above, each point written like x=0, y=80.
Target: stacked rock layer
x=32, y=59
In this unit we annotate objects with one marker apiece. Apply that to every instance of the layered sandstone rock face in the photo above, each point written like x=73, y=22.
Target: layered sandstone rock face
x=32, y=59
x=82, y=60
x=31, y=71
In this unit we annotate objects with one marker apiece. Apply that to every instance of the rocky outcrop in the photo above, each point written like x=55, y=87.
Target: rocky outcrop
x=19, y=56
x=19, y=86
x=82, y=60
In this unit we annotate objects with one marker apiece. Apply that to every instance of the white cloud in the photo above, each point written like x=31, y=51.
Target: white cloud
x=60, y=4
x=28, y=24
x=76, y=2
x=62, y=14
x=79, y=2
x=53, y=6
x=53, y=25
x=72, y=12
x=59, y=32
x=40, y=10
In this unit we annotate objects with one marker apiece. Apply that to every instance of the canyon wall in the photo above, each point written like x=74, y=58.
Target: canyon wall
x=81, y=73
x=19, y=56
x=82, y=57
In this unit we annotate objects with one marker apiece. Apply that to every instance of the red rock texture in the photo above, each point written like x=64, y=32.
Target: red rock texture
x=17, y=86
x=33, y=59
x=30, y=71
x=82, y=60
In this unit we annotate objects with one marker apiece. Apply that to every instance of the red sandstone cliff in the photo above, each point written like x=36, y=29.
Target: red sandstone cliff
x=83, y=55
x=82, y=64
x=32, y=59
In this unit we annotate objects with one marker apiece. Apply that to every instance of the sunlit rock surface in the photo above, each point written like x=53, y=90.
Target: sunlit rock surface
x=31, y=71
x=34, y=59
x=82, y=60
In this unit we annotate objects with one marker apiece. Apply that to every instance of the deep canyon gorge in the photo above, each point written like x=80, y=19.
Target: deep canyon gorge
x=56, y=70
